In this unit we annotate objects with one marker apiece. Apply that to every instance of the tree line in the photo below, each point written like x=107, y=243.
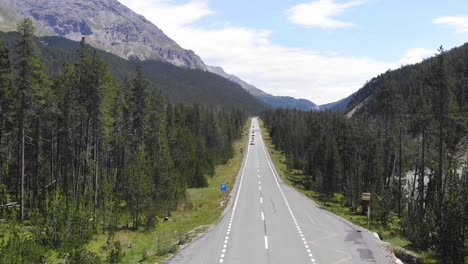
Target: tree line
x=82, y=153
x=418, y=130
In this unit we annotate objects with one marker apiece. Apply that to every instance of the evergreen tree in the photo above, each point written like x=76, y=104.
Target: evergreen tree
x=81, y=152
x=31, y=86
x=139, y=103
x=6, y=100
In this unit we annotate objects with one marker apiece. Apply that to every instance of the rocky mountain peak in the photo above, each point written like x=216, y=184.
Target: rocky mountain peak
x=107, y=25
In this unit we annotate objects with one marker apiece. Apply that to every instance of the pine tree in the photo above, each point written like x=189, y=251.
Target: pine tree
x=441, y=107
x=28, y=78
x=141, y=185
x=6, y=99
x=139, y=104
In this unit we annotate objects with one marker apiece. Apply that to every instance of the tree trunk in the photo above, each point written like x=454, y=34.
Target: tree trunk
x=440, y=195
x=96, y=168
x=422, y=174
x=400, y=168
x=21, y=154
x=1, y=141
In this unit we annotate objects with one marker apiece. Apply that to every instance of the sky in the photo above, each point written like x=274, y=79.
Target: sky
x=321, y=50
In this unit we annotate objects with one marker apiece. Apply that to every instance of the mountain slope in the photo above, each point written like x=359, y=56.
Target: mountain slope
x=271, y=100
x=413, y=84
x=7, y=17
x=288, y=102
x=248, y=87
x=110, y=26
x=179, y=85
x=107, y=25
x=340, y=105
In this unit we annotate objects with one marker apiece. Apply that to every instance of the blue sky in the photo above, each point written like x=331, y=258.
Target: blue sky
x=321, y=50
x=382, y=29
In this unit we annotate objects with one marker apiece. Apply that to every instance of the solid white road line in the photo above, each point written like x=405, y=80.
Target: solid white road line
x=221, y=259
x=285, y=200
x=266, y=242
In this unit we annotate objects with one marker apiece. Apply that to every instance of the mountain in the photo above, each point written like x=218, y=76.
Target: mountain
x=288, y=102
x=412, y=83
x=110, y=26
x=248, y=87
x=179, y=85
x=340, y=105
x=7, y=18
x=271, y=100
x=107, y=25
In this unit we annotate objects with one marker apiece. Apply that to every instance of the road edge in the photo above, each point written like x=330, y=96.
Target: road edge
x=226, y=209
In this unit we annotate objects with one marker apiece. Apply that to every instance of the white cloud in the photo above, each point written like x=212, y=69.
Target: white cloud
x=416, y=55
x=249, y=54
x=320, y=13
x=166, y=14
x=460, y=23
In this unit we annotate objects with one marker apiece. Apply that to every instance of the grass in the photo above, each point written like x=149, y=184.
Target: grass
x=391, y=233
x=202, y=210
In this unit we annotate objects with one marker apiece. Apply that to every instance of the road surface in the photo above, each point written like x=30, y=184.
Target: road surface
x=267, y=221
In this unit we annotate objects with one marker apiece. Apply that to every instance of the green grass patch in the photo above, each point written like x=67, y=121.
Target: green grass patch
x=391, y=233
x=201, y=211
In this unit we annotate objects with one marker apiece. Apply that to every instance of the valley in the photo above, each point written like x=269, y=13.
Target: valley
x=311, y=141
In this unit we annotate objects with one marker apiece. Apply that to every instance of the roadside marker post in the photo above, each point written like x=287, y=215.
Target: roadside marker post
x=366, y=206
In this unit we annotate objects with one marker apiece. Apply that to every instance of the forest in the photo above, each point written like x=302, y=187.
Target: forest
x=414, y=124
x=176, y=84
x=82, y=152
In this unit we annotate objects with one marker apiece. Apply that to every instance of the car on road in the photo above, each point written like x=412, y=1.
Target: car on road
x=252, y=143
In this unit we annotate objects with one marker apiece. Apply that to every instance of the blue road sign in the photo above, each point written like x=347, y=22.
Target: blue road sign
x=224, y=187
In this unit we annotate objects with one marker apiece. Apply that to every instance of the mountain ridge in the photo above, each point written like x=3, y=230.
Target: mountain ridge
x=412, y=83
x=179, y=85
x=340, y=105
x=269, y=99
x=110, y=26
x=107, y=25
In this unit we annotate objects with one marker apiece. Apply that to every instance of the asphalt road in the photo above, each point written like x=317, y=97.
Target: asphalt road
x=267, y=221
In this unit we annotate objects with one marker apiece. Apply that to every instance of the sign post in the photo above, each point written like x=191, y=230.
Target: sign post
x=223, y=189
x=366, y=206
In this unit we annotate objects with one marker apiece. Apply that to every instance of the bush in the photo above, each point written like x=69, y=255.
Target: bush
x=82, y=256
x=115, y=250
x=18, y=246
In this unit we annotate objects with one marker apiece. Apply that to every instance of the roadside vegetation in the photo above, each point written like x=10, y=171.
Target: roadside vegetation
x=91, y=167
x=201, y=210
x=392, y=233
x=406, y=144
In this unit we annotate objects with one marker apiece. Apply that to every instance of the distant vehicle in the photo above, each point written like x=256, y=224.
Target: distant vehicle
x=252, y=143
